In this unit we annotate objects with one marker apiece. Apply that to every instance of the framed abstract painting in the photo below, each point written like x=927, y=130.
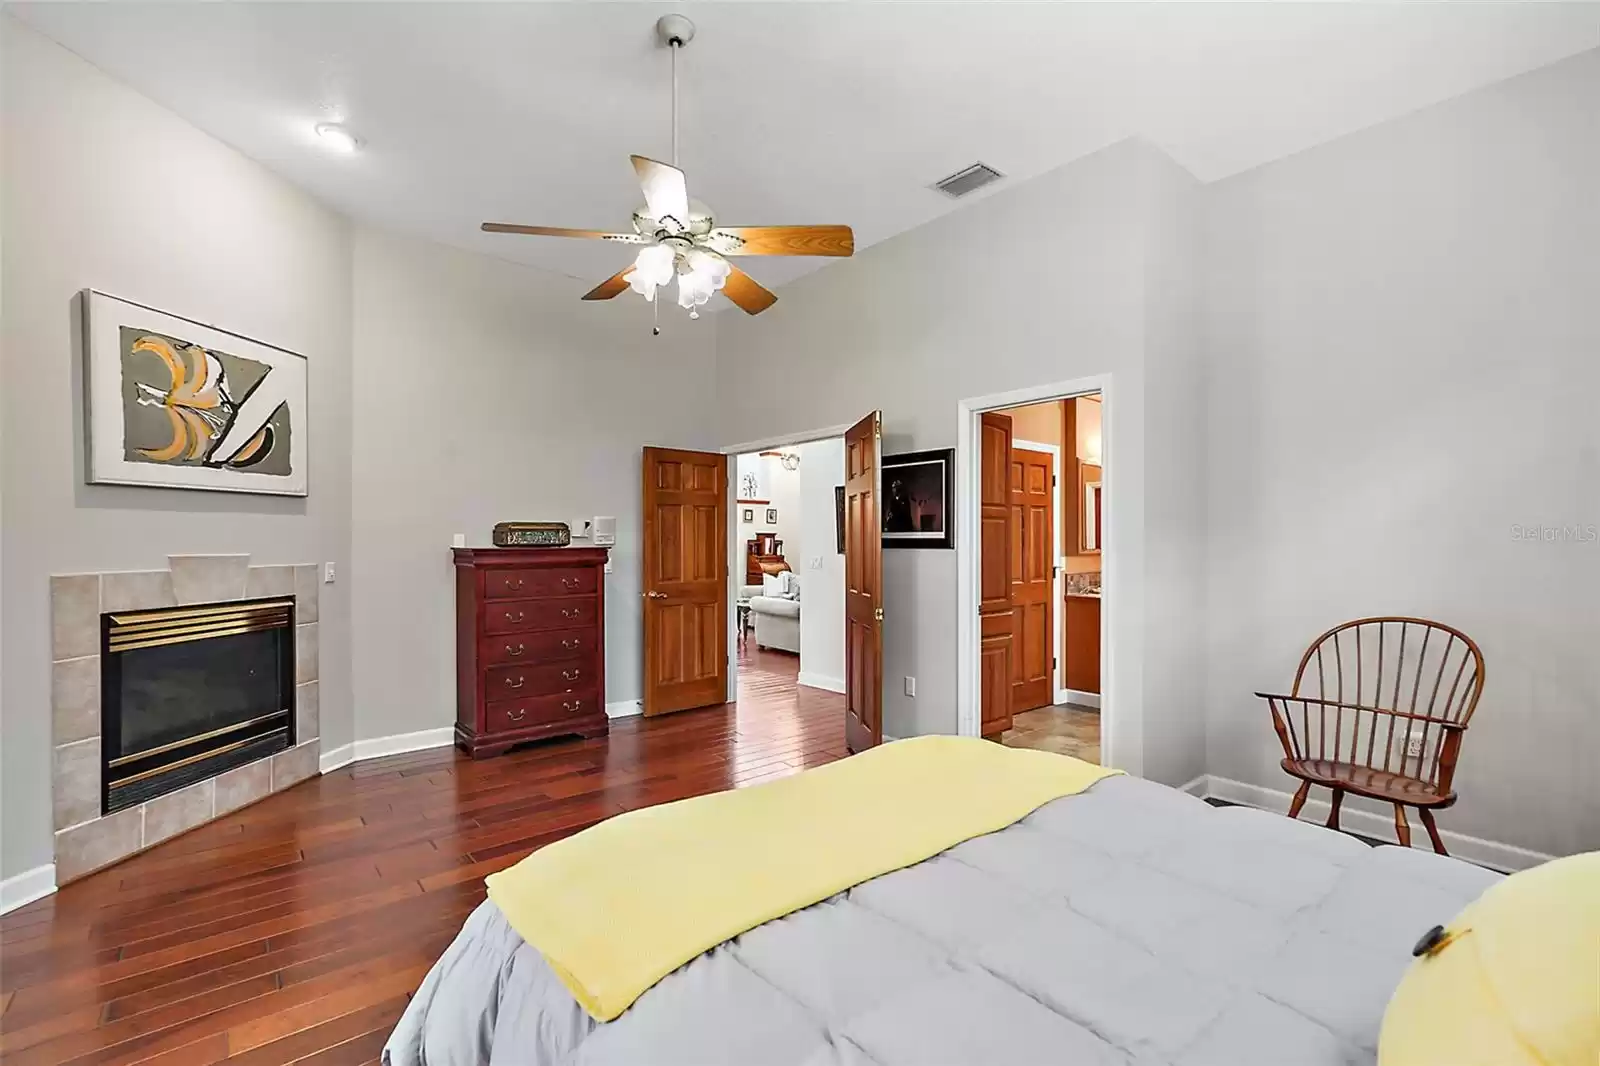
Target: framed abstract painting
x=174, y=403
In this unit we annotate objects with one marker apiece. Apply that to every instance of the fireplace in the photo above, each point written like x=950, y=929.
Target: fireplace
x=190, y=692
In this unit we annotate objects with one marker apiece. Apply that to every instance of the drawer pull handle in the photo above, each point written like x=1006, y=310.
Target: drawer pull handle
x=571, y=705
x=519, y=616
x=570, y=675
x=518, y=650
x=517, y=715
x=569, y=582
x=514, y=585
x=518, y=683
x=570, y=612
x=570, y=642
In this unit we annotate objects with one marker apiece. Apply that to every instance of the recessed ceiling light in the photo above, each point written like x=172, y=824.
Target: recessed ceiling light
x=336, y=138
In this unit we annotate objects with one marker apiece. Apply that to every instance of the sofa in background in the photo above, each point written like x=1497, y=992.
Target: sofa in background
x=775, y=611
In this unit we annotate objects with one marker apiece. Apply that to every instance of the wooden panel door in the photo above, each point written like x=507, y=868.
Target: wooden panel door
x=863, y=569
x=685, y=580
x=1033, y=479
x=995, y=627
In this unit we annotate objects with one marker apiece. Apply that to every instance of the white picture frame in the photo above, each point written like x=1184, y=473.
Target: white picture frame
x=218, y=435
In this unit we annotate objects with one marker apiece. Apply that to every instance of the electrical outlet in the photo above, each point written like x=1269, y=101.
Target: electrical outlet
x=327, y=573
x=911, y=686
x=1413, y=745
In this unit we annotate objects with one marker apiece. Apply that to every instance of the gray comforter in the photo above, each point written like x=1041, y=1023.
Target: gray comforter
x=1129, y=924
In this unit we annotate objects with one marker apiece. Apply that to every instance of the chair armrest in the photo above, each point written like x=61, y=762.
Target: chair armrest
x=1334, y=730
x=1444, y=723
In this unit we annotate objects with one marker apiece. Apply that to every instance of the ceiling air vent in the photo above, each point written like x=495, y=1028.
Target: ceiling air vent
x=968, y=180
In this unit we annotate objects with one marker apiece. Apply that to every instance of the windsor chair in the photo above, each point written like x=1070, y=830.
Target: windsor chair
x=1366, y=729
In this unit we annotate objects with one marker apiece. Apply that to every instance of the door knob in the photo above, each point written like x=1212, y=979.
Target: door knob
x=656, y=595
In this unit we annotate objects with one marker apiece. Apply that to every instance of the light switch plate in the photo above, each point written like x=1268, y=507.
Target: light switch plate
x=911, y=686
x=327, y=573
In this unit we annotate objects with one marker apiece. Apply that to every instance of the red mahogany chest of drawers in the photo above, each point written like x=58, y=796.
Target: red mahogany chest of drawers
x=530, y=645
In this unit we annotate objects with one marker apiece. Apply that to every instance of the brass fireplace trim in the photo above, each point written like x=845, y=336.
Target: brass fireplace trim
x=167, y=767
x=151, y=629
x=186, y=741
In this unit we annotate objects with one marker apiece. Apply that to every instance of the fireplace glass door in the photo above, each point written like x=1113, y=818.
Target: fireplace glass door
x=190, y=692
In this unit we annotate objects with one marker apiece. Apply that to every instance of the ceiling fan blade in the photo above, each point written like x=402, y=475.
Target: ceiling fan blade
x=782, y=240
x=557, y=231
x=666, y=191
x=610, y=287
x=744, y=291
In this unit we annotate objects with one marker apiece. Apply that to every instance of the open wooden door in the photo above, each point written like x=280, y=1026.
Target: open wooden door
x=1033, y=572
x=685, y=580
x=996, y=633
x=863, y=601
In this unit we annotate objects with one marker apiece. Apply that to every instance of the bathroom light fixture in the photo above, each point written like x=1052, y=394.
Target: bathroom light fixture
x=336, y=138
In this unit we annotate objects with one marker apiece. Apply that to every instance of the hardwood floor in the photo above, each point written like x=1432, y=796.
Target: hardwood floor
x=1065, y=729
x=295, y=930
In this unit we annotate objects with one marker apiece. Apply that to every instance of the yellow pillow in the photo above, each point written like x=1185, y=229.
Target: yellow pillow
x=1513, y=981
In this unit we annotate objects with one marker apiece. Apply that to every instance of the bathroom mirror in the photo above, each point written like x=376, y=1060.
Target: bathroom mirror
x=1090, y=510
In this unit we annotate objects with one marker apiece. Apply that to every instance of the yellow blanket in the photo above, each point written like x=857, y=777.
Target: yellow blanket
x=619, y=906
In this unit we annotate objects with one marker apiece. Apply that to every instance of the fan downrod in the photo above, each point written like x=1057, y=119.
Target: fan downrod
x=674, y=31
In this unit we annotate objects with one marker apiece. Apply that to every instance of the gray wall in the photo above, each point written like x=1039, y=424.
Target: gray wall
x=487, y=392
x=820, y=565
x=1054, y=279
x=1403, y=328
x=1176, y=465
x=103, y=188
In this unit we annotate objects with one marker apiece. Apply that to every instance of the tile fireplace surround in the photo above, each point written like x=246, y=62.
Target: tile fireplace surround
x=84, y=840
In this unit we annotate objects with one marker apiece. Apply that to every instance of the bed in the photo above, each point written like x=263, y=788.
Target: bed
x=1131, y=923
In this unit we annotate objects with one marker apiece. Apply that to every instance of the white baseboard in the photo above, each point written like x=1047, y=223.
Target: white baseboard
x=624, y=709
x=400, y=743
x=1083, y=699
x=822, y=681
x=343, y=755
x=1491, y=853
x=24, y=888
x=1198, y=787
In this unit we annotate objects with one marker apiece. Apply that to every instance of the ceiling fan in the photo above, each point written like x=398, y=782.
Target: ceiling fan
x=680, y=237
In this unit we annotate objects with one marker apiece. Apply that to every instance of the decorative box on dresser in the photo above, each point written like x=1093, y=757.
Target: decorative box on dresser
x=530, y=645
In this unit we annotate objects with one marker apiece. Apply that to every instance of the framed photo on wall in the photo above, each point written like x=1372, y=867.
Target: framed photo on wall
x=772, y=516
x=918, y=493
x=174, y=403
x=748, y=516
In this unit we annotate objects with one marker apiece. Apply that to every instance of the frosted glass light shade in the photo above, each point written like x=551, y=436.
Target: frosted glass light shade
x=652, y=269
x=706, y=274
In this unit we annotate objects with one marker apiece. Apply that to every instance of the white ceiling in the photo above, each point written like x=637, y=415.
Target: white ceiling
x=792, y=112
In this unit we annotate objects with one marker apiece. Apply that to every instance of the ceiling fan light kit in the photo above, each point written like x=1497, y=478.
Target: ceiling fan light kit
x=680, y=237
